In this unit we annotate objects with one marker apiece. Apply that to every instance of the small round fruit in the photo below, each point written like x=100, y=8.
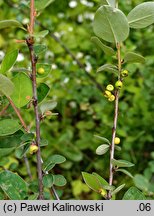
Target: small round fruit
x=124, y=73
x=118, y=84
x=107, y=94
x=41, y=70
x=116, y=140
x=103, y=192
x=110, y=87
x=33, y=149
x=111, y=98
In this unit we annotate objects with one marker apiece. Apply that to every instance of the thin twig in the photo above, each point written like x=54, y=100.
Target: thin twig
x=28, y=167
x=33, y=59
x=55, y=193
x=116, y=108
x=18, y=114
x=4, y=109
x=26, y=129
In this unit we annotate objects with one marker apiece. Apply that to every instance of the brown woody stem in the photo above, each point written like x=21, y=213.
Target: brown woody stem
x=116, y=108
x=33, y=59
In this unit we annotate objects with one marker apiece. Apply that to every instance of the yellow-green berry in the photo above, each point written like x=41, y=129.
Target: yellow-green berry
x=124, y=73
x=118, y=84
x=110, y=87
x=107, y=93
x=40, y=70
x=111, y=98
x=116, y=140
x=33, y=149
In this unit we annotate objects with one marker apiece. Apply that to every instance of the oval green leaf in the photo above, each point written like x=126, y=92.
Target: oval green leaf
x=11, y=23
x=100, y=179
x=41, y=34
x=11, y=141
x=8, y=126
x=106, y=49
x=117, y=189
x=40, y=5
x=142, y=15
x=59, y=180
x=102, y=149
x=133, y=194
x=121, y=163
x=6, y=86
x=23, y=90
x=132, y=57
x=125, y=172
x=108, y=68
x=102, y=138
x=48, y=105
x=42, y=91
x=111, y=24
x=13, y=185
x=8, y=61
x=48, y=180
x=39, y=48
x=92, y=181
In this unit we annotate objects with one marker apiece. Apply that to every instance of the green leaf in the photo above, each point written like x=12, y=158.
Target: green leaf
x=132, y=57
x=13, y=185
x=48, y=180
x=23, y=90
x=141, y=182
x=41, y=34
x=27, y=137
x=11, y=141
x=59, y=180
x=133, y=194
x=108, y=68
x=6, y=86
x=100, y=179
x=52, y=161
x=118, y=189
x=11, y=23
x=107, y=50
x=42, y=91
x=40, y=5
x=92, y=181
x=48, y=105
x=20, y=152
x=103, y=139
x=57, y=159
x=125, y=172
x=122, y=163
x=103, y=183
x=102, y=149
x=8, y=126
x=39, y=48
x=49, y=167
x=118, y=148
x=111, y=24
x=8, y=61
x=142, y=15
x=46, y=67
x=43, y=142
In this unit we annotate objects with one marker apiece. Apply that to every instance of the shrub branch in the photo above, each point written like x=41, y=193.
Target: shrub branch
x=33, y=59
x=116, y=108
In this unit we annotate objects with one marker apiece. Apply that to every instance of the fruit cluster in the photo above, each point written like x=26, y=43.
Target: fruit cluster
x=118, y=85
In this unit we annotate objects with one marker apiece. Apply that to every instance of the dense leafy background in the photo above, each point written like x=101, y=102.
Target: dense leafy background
x=83, y=110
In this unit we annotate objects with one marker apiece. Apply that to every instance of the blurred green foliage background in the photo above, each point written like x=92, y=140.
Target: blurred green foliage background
x=83, y=110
